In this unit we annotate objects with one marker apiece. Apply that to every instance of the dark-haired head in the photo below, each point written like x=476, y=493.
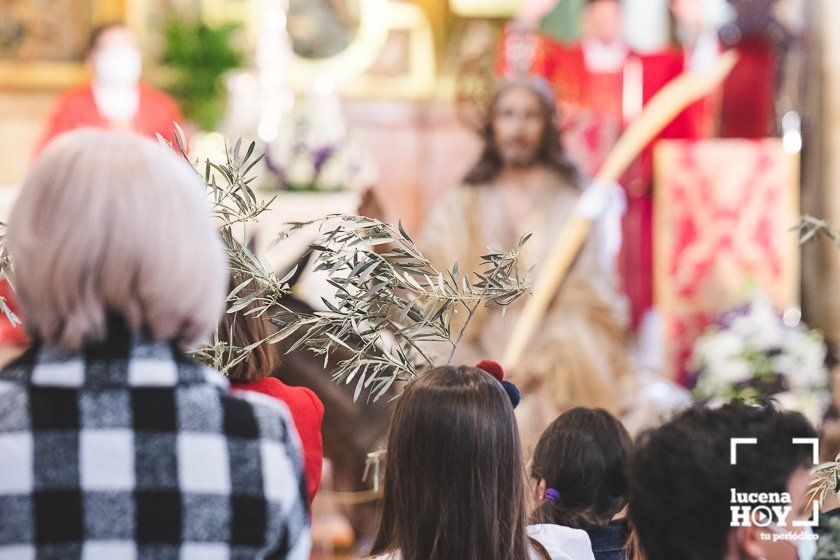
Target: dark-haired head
x=582, y=456
x=520, y=130
x=681, y=479
x=454, y=479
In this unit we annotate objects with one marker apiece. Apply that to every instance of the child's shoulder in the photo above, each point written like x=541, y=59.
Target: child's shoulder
x=295, y=397
x=306, y=397
x=562, y=542
x=387, y=556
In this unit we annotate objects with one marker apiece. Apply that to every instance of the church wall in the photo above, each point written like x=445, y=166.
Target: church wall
x=22, y=116
x=419, y=146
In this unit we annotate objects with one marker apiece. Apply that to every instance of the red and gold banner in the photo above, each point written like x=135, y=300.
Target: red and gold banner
x=723, y=217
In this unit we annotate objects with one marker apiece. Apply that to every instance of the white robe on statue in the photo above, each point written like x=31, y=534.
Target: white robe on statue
x=578, y=354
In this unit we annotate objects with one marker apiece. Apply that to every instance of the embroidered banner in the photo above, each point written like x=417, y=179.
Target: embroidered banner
x=723, y=213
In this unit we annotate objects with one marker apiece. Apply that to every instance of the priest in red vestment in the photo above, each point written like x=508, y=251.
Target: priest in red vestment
x=116, y=98
x=601, y=86
x=744, y=107
x=696, y=33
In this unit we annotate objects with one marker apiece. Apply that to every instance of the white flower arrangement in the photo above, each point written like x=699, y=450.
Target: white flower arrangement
x=753, y=352
x=314, y=151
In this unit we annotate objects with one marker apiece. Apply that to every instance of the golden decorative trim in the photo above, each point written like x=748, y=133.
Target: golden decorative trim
x=58, y=75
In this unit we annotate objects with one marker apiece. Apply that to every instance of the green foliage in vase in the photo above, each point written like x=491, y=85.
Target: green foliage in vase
x=197, y=55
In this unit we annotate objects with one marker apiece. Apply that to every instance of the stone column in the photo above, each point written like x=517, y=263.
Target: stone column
x=821, y=172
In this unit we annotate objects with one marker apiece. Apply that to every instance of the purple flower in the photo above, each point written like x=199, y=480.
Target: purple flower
x=274, y=167
x=321, y=155
x=691, y=377
x=724, y=320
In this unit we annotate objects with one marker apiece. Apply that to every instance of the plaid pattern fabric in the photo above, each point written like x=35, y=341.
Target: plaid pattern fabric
x=130, y=450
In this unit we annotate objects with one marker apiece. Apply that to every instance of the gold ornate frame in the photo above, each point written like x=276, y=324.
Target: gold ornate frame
x=57, y=75
x=349, y=68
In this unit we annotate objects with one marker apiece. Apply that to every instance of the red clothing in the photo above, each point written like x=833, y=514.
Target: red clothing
x=307, y=413
x=77, y=108
x=748, y=108
x=11, y=336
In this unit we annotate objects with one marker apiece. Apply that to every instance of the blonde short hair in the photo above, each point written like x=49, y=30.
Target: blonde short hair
x=110, y=223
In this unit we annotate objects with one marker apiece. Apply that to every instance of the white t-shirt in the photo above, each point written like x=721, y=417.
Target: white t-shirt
x=562, y=543
x=534, y=556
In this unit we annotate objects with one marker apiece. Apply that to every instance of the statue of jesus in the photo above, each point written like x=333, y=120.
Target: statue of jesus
x=523, y=183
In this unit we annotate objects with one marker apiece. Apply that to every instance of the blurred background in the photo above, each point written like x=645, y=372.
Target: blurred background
x=375, y=106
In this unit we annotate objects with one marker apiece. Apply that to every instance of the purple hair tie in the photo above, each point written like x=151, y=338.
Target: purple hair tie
x=551, y=495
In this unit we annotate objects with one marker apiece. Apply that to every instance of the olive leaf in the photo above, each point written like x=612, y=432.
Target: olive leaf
x=390, y=301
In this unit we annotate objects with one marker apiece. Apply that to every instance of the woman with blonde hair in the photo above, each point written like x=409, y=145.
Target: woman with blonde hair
x=114, y=443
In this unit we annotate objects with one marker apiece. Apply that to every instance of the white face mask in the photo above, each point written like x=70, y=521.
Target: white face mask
x=117, y=66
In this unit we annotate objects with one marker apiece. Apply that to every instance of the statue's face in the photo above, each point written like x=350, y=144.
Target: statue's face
x=602, y=21
x=518, y=127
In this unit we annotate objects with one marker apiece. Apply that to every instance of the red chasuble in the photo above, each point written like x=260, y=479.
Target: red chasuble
x=77, y=108
x=748, y=106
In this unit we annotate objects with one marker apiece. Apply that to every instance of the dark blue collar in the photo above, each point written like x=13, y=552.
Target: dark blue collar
x=612, y=536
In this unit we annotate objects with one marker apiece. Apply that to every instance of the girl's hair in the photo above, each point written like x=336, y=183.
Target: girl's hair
x=551, y=153
x=454, y=480
x=239, y=330
x=583, y=456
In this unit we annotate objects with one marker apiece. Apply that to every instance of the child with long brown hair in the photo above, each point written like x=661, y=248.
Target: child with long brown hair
x=454, y=479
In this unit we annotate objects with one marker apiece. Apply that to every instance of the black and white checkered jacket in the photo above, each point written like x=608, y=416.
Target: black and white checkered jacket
x=130, y=450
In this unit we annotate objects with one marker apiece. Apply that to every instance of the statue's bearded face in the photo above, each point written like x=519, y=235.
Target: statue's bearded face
x=518, y=127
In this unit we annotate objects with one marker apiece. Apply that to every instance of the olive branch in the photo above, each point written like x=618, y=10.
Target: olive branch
x=5, y=264
x=391, y=303
x=235, y=206
x=809, y=227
